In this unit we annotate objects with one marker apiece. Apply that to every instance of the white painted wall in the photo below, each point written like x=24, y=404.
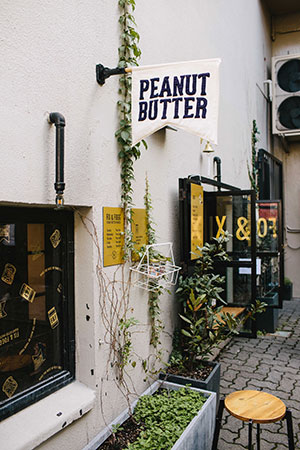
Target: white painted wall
x=48, y=55
x=287, y=42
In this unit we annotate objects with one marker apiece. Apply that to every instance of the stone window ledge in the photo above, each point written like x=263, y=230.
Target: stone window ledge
x=38, y=422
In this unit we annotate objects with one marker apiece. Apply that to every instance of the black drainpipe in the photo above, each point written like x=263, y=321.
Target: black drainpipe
x=217, y=160
x=59, y=121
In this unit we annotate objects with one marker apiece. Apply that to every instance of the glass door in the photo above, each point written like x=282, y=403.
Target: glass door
x=269, y=252
x=234, y=212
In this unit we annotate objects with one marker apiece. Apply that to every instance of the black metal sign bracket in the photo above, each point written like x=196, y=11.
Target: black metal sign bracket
x=102, y=73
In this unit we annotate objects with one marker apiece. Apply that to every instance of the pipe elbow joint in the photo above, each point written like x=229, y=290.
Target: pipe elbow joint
x=57, y=119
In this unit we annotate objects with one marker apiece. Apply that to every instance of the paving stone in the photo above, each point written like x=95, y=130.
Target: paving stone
x=276, y=438
x=267, y=363
x=239, y=384
x=286, y=385
x=274, y=376
x=230, y=375
x=263, y=385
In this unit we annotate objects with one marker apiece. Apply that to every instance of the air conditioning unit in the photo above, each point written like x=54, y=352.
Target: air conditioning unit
x=286, y=95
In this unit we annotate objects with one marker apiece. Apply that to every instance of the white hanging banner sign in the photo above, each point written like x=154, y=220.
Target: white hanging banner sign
x=184, y=95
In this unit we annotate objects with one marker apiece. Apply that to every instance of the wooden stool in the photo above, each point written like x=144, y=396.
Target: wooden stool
x=254, y=407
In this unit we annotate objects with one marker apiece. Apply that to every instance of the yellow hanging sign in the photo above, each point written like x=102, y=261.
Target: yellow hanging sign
x=196, y=219
x=139, y=230
x=113, y=236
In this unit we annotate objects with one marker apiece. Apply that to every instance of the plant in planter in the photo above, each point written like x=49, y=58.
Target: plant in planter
x=166, y=417
x=204, y=325
x=287, y=289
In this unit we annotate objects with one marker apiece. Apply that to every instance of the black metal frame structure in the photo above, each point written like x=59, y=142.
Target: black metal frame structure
x=209, y=202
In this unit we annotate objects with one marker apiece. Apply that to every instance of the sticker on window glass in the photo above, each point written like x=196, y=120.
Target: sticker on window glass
x=55, y=238
x=8, y=274
x=30, y=337
x=3, y=313
x=27, y=292
x=9, y=386
x=48, y=269
x=9, y=336
x=53, y=317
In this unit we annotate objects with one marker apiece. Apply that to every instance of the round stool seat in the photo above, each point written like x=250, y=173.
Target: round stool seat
x=257, y=406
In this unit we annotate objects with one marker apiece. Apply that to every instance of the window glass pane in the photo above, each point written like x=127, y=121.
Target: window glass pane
x=268, y=278
x=267, y=216
x=237, y=288
x=31, y=289
x=232, y=214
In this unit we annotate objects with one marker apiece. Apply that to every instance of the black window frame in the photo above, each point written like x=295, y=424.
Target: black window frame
x=67, y=375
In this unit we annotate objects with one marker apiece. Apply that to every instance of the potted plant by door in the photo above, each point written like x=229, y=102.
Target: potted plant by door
x=287, y=289
x=166, y=417
x=205, y=325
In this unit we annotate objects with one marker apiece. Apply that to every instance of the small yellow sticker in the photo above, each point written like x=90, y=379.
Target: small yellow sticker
x=8, y=274
x=9, y=386
x=27, y=292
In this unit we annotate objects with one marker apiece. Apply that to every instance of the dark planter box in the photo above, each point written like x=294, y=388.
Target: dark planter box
x=212, y=382
x=287, y=292
x=268, y=320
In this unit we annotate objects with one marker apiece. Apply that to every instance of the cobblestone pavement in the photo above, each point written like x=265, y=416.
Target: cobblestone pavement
x=268, y=363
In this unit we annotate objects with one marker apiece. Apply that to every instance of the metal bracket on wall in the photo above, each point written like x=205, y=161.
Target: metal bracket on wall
x=284, y=143
x=102, y=73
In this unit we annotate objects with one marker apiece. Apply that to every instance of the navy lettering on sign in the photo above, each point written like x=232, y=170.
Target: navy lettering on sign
x=165, y=88
x=203, y=76
x=154, y=87
x=187, y=107
x=153, y=109
x=176, y=106
x=174, y=97
x=165, y=102
x=178, y=86
x=201, y=106
x=191, y=90
x=144, y=86
x=143, y=106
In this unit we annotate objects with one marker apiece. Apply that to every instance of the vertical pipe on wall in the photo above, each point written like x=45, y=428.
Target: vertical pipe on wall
x=217, y=160
x=59, y=121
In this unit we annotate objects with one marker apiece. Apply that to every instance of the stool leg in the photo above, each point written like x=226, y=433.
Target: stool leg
x=218, y=424
x=250, y=435
x=258, y=436
x=289, y=423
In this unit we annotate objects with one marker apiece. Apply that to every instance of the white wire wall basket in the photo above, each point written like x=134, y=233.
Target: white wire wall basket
x=156, y=268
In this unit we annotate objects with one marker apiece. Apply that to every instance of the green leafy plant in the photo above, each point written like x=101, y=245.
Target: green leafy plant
x=125, y=343
x=205, y=326
x=164, y=416
x=287, y=281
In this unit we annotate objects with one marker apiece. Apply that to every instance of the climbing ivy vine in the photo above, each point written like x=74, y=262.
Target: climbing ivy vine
x=153, y=299
x=129, y=53
x=252, y=171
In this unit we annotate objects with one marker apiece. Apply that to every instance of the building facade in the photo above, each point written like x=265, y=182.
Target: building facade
x=57, y=366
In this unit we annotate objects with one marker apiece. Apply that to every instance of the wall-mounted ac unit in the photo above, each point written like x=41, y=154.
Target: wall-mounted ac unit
x=286, y=95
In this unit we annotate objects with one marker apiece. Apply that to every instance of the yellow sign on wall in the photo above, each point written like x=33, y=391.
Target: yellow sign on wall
x=196, y=219
x=139, y=229
x=113, y=236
